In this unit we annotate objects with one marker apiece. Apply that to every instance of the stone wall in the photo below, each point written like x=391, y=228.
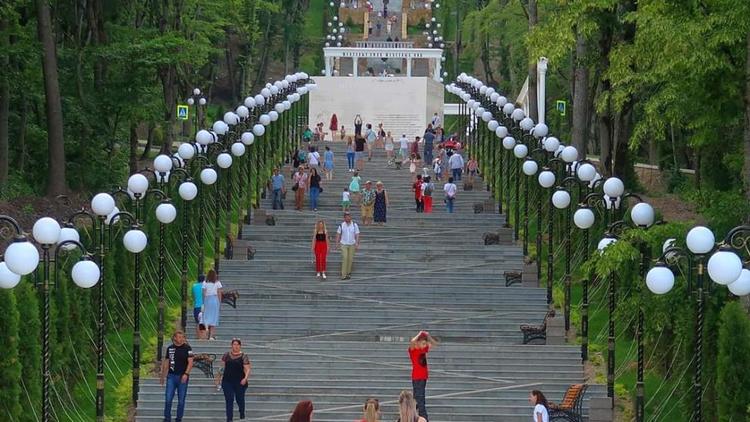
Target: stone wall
x=403, y=105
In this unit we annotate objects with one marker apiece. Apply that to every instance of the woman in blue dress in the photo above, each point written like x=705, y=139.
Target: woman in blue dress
x=328, y=163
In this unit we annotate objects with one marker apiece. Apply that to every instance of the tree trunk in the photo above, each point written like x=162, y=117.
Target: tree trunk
x=4, y=109
x=168, y=76
x=261, y=75
x=489, y=77
x=653, y=152
x=94, y=15
x=23, y=153
x=605, y=143
x=149, y=141
x=56, y=173
x=533, y=20
x=621, y=165
x=746, y=131
x=579, y=135
x=133, y=156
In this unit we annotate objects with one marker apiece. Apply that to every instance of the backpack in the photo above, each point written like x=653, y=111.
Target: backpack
x=428, y=189
x=303, y=156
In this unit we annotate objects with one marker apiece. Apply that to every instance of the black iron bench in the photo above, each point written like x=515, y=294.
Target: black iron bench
x=205, y=362
x=230, y=298
x=513, y=277
x=535, y=332
x=571, y=407
x=239, y=247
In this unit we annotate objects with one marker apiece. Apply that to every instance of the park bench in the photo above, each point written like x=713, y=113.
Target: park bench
x=239, y=247
x=512, y=277
x=230, y=298
x=571, y=407
x=534, y=332
x=205, y=362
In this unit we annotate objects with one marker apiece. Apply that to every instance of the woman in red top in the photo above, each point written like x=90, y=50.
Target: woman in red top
x=320, y=248
x=334, y=126
x=418, y=349
x=417, y=188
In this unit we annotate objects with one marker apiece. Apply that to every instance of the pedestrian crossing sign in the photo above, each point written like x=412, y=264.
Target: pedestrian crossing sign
x=182, y=112
x=560, y=105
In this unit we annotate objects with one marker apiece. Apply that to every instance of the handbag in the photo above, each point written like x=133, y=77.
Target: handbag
x=295, y=187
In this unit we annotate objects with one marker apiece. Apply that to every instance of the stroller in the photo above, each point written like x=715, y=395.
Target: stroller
x=396, y=160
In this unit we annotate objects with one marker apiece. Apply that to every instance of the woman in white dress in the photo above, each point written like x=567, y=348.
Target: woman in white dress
x=389, y=145
x=212, y=295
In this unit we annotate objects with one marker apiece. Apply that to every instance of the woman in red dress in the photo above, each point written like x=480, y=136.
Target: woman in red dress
x=320, y=248
x=334, y=127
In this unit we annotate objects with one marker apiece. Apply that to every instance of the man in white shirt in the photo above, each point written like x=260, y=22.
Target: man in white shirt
x=404, y=146
x=436, y=121
x=347, y=238
x=456, y=163
x=450, y=190
x=370, y=137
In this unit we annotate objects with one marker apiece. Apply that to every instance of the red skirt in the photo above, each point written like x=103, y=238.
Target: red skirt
x=427, y=204
x=321, y=252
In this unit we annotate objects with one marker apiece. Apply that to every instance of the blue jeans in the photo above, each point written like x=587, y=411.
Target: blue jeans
x=456, y=174
x=277, y=202
x=427, y=154
x=449, y=204
x=175, y=384
x=234, y=391
x=314, y=193
x=419, y=396
x=350, y=159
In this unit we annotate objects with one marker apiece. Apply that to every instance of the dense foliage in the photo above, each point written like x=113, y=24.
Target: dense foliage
x=658, y=82
x=122, y=69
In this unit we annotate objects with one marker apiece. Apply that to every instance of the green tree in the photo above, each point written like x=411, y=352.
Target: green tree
x=733, y=372
x=29, y=346
x=10, y=365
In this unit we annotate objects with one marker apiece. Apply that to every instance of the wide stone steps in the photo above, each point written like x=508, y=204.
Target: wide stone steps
x=339, y=342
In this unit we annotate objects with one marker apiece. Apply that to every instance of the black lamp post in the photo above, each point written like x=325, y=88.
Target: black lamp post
x=725, y=267
x=197, y=100
x=135, y=242
x=22, y=258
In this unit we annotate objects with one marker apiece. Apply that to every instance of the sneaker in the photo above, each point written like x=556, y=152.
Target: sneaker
x=324, y=276
x=317, y=275
x=212, y=339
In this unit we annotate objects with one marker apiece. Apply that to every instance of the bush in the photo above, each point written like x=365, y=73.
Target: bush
x=733, y=364
x=10, y=366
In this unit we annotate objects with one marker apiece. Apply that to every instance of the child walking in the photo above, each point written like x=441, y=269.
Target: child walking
x=354, y=187
x=419, y=346
x=346, y=201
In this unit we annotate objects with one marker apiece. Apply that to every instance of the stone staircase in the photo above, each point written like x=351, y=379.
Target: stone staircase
x=339, y=342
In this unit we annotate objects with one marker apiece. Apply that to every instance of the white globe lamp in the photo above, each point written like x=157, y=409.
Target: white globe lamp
x=8, y=279
x=21, y=256
x=188, y=190
x=166, y=213
x=85, y=273
x=46, y=231
x=135, y=241
x=208, y=176
x=700, y=240
x=584, y=218
x=660, y=280
x=724, y=267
